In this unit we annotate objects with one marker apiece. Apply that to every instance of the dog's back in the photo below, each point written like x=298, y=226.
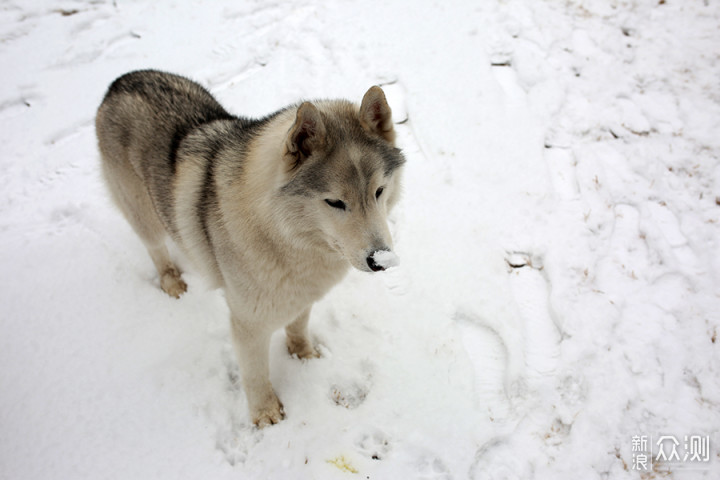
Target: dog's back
x=142, y=120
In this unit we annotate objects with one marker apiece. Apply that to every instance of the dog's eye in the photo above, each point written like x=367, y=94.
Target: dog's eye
x=379, y=192
x=339, y=204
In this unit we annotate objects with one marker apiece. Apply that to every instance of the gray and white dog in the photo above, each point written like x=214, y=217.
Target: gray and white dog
x=273, y=210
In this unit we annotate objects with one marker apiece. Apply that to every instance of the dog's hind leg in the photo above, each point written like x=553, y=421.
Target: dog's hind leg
x=132, y=197
x=170, y=276
x=298, y=339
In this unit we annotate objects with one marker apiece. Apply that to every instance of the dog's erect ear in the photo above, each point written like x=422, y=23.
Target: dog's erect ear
x=307, y=135
x=375, y=114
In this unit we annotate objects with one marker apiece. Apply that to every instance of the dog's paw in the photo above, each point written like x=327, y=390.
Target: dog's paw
x=301, y=347
x=270, y=414
x=172, y=283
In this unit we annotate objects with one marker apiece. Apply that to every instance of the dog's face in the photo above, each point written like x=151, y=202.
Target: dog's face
x=355, y=204
x=343, y=163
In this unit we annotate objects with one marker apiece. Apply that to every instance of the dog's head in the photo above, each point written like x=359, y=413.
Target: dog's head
x=342, y=162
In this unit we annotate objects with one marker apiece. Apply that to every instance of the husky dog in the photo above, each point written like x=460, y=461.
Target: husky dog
x=274, y=210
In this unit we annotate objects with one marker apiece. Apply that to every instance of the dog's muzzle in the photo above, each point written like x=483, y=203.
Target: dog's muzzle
x=382, y=259
x=374, y=266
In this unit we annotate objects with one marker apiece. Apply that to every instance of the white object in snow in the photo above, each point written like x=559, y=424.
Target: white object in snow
x=386, y=259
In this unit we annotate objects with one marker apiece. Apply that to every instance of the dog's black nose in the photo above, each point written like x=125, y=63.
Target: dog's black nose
x=373, y=264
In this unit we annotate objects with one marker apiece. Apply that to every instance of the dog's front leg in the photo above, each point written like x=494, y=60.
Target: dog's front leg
x=298, y=339
x=252, y=343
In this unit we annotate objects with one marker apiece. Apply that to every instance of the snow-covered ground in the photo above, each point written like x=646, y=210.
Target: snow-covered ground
x=559, y=285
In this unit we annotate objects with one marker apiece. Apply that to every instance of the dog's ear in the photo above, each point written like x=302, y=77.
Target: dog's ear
x=307, y=135
x=375, y=114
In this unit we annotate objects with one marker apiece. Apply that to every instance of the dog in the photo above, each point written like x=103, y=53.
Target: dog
x=273, y=210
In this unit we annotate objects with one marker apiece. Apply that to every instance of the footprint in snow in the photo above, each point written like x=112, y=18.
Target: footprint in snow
x=509, y=84
x=433, y=468
x=498, y=459
x=531, y=292
x=489, y=356
x=232, y=443
x=234, y=435
x=349, y=395
x=375, y=445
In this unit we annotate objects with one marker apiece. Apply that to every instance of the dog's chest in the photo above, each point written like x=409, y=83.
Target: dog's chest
x=307, y=283
x=279, y=291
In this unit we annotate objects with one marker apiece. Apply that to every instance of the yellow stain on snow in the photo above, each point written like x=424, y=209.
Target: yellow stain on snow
x=342, y=464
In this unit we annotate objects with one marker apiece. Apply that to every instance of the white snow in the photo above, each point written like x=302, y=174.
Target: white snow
x=386, y=259
x=559, y=231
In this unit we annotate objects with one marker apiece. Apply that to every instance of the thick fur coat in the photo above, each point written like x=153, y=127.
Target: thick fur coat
x=273, y=210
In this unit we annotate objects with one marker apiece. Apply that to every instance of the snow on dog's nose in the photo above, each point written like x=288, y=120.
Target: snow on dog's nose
x=382, y=260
